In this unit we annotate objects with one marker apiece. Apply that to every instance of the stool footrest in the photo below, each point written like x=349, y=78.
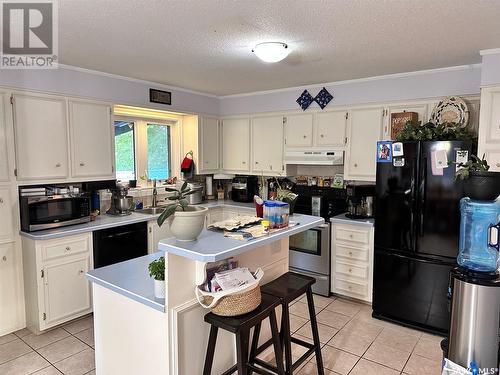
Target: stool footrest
x=266, y=366
x=230, y=370
x=303, y=343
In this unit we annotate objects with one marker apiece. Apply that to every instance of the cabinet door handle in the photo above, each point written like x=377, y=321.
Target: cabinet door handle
x=1, y=200
x=82, y=164
x=350, y=235
x=271, y=167
x=243, y=162
x=68, y=248
x=350, y=253
x=322, y=136
x=305, y=136
x=498, y=166
x=4, y=258
x=81, y=272
x=256, y=162
x=58, y=165
x=350, y=269
x=355, y=165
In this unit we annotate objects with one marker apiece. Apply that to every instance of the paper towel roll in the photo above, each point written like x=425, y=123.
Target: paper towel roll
x=209, y=183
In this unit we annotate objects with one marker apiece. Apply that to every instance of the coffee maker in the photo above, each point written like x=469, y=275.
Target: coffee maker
x=243, y=188
x=360, y=201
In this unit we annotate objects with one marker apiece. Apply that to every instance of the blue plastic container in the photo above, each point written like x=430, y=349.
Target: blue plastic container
x=479, y=235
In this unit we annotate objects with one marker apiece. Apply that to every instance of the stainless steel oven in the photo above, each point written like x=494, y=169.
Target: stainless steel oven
x=45, y=212
x=310, y=255
x=310, y=250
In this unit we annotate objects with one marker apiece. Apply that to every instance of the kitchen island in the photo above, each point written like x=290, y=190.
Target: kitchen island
x=136, y=333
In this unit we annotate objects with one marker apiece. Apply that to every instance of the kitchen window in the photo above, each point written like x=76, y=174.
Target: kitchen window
x=125, y=150
x=143, y=149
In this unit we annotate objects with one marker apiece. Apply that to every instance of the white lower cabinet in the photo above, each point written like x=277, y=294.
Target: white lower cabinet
x=11, y=300
x=66, y=289
x=56, y=287
x=352, y=261
x=157, y=233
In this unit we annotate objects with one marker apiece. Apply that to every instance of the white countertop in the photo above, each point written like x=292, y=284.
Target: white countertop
x=109, y=221
x=212, y=246
x=342, y=219
x=131, y=279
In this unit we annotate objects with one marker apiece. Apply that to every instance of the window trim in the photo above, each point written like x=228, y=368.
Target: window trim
x=141, y=142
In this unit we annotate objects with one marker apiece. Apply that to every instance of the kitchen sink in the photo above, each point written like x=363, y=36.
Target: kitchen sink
x=151, y=210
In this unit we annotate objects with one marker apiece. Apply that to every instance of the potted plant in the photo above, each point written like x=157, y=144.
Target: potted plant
x=479, y=183
x=157, y=272
x=285, y=195
x=186, y=222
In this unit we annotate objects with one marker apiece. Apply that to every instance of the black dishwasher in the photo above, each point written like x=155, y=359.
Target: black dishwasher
x=121, y=243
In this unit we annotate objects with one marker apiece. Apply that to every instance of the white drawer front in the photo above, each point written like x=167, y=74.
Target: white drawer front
x=351, y=253
x=65, y=247
x=349, y=271
x=351, y=235
x=351, y=288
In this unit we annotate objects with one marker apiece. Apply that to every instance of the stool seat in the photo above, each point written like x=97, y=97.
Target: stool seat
x=235, y=323
x=289, y=286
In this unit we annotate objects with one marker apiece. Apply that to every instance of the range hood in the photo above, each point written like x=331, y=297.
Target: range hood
x=314, y=157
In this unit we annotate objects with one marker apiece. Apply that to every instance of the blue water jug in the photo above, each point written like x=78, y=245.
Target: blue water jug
x=479, y=235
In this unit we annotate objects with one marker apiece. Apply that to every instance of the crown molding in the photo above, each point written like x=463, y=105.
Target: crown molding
x=357, y=80
x=137, y=80
x=492, y=51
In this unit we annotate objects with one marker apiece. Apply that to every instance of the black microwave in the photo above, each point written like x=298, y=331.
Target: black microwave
x=46, y=212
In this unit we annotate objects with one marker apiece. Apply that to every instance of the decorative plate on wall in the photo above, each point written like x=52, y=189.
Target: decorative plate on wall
x=451, y=109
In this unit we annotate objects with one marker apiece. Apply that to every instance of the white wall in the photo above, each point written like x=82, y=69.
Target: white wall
x=460, y=80
x=108, y=87
x=490, y=72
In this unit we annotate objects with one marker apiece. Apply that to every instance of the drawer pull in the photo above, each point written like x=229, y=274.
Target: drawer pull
x=350, y=236
x=322, y=136
x=82, y=164
x=350, y=269
x=68, y=248
x=498, y=165
x=1, y=200
x=58, y=165
x=349, y=287
x=355, y=165
x=350, y=253
x=305, y=136
x=243, y=162
x=4, y=258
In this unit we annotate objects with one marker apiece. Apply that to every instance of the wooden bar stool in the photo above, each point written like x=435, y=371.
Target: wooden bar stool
x=287, y=288
x=241, y=326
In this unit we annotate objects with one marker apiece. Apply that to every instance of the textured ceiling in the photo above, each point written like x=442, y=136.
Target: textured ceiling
x=205, y=45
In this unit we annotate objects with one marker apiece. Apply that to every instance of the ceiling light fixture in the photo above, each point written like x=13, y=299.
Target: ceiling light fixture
x=271, y=52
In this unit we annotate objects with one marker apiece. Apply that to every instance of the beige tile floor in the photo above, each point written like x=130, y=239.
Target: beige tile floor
x=67, y=350
x=352, y=343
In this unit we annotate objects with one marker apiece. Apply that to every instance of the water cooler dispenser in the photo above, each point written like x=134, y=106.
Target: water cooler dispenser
x=475, y=305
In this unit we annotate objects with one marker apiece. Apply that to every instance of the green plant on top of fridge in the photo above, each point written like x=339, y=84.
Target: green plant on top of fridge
x=429, y=132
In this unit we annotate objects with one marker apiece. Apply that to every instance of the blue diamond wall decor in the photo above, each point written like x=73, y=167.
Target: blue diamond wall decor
x=323, y=98
x=304, y=100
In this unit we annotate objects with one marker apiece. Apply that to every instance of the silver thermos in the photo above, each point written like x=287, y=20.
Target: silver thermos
x=475, y=321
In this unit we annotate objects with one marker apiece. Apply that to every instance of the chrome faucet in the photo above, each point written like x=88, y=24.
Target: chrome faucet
x=154, y=203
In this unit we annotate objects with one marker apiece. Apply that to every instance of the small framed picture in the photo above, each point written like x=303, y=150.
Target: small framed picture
x=384, y=152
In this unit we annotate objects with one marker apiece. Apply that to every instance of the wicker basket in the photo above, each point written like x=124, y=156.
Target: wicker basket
x=234, y=302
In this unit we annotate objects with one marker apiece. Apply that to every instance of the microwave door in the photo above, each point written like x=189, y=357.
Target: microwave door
x=51, y=213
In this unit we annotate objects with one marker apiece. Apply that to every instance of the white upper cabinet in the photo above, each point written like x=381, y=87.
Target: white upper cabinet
x=489, y=118
x=364, y=130
x=41, y=138
x=299, y=130
x=421, y=109
x=236, y=144
x=92, y=151
x=209, y=144
x=7, y=210
x=267, y=144
x=330, y=129
x=4, y=165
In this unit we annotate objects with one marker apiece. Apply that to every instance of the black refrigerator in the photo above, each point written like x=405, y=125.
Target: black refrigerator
x=417, y=219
